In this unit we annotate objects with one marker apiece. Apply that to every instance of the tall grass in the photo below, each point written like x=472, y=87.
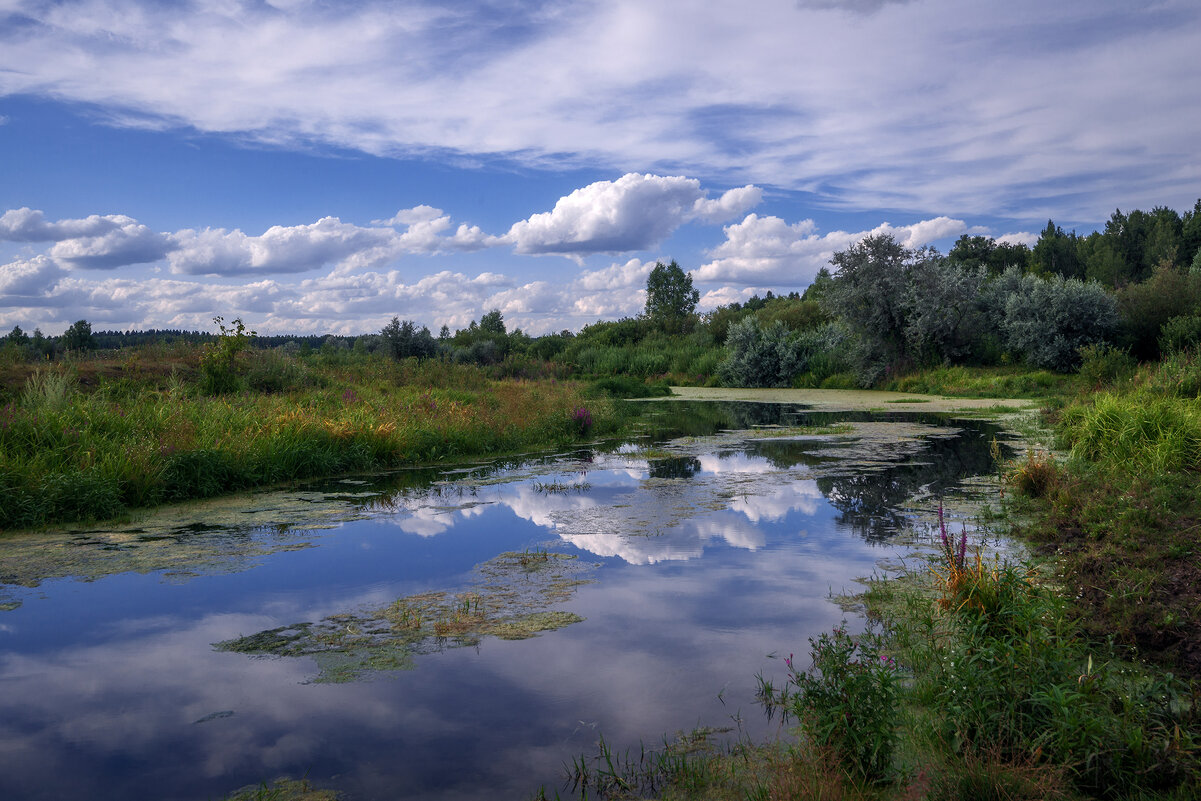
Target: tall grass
x=69, y=455
x=1008, y=688
x=1139, y=432
x=684, y=359
x=982, y=382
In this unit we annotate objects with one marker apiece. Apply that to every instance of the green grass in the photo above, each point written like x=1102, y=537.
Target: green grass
x=984, y=382
x=686, y=360
x=133, y=438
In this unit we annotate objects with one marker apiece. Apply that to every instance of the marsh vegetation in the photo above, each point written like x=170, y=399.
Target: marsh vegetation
x=1044, y=645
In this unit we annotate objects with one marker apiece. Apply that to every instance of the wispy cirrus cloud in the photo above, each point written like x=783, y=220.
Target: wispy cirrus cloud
x=901, y=105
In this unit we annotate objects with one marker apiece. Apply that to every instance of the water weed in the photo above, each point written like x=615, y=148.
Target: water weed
x=511, y=600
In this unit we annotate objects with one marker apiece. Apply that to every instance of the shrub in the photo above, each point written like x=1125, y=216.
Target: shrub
x=1146, y=308
x=219, y=363
x=621, y=386
x=1036, y=476
x=1050, y=320
x=847, y=702
x=758, y=356
x=272, y=371
x=1101, y=363
x=1180, y=333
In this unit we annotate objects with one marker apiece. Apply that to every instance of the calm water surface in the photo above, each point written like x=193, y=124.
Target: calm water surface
x=713, y=556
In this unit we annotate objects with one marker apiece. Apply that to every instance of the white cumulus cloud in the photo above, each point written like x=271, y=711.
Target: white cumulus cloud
x=635, y=212
x=26, y=280
x=280, y=249
x=129, y=242
x=770, y=251
x=30, y=225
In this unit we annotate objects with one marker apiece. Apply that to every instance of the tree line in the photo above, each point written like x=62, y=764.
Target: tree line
x=879, y=309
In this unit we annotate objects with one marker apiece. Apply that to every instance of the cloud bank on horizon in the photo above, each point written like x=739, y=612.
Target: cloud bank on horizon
x=347, y=292
x=925, y=110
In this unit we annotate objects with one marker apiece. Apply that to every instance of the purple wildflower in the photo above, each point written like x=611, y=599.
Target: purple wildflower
x=582, y=418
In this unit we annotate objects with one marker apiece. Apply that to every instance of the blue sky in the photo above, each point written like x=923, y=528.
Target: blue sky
x=320, y=167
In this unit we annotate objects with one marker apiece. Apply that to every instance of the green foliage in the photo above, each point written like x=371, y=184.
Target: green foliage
x=405, y=340
x=760, y=356
x=1049, y=320
x=616, y=333
x=670, y=298
x=77, y=337
x=1057, y=253
x=1135, y=432
x=903, y=307
x=47, y=391
x=17, y=337
x=847, y=702
x=795, y=314
x=1008, y=682
x=69, y=455
x=1102, y=363
x=273, y=372
x=983, y=382
x=975, y=252
x=220, y=362
x=620, y=386
x=942, y=318
x=868, y=294
x=493, y=323
x=549, y=346
x=1180, y=333
x=1145, y=308
x=684, y=358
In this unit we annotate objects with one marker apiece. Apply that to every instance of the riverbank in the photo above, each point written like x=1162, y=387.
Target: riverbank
x=1073, y=676
x=855, y=400
x=71, y=451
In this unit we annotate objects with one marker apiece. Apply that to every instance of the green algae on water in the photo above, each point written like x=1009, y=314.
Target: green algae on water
x=509, y=600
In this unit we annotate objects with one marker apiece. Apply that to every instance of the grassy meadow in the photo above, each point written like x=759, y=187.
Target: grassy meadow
x=91, y=439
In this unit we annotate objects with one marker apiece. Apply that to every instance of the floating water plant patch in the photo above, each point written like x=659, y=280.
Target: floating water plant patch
x=222, y=535
x=511, y=599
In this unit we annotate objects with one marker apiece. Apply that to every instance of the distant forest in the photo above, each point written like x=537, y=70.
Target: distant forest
x=879, y=308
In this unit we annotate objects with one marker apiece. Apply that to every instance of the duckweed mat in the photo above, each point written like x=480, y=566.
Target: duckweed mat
x=511, y=599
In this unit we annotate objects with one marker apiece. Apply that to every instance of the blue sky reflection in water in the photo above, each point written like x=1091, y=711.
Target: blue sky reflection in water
x=710, y=559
